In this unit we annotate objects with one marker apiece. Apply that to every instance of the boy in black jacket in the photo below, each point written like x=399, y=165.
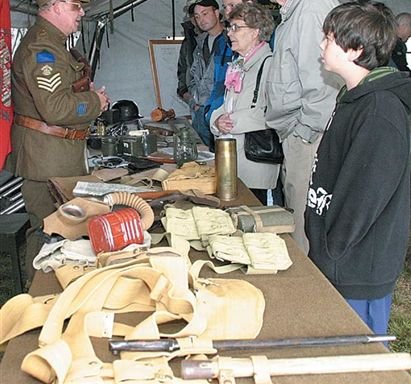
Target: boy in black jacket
x=358, y=209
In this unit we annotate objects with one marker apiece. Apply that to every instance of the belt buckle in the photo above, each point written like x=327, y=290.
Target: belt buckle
x=73, y=134
x=70, y=134
x=67, y=133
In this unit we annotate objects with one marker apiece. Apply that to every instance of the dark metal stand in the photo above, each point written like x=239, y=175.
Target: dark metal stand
x=12, y=235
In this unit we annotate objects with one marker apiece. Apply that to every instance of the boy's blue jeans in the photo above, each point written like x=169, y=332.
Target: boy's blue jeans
x=374, y=313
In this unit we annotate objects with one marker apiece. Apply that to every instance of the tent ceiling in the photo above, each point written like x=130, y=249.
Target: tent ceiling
x=93, y=9
x=97, y=7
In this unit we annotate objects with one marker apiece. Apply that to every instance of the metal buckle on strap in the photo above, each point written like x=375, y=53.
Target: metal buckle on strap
x=67, y=133
x=73, y=134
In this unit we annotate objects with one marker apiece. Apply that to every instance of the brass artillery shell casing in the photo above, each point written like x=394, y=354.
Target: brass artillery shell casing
x=226, y=168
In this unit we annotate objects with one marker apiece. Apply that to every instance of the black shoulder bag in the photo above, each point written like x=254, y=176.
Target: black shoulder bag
x=262, y=146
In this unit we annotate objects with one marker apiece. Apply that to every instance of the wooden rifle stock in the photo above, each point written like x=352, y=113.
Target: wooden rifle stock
x=158, y=198
x=220, y=367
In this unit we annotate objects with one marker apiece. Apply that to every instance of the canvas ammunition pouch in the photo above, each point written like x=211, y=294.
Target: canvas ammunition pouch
x=213, y=230
x=273, y=219
x=157, y=282
x=197, y=224
x=253, y=253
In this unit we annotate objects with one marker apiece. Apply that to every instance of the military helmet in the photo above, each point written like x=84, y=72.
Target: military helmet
x=128, y=110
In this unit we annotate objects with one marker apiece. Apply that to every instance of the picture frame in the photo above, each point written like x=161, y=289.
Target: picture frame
x=164, y=56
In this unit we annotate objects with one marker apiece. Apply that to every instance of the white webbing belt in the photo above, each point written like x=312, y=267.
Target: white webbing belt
x=157, y=283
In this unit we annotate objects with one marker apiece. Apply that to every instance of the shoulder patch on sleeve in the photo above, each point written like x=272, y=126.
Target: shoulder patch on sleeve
x=81, y=109
x=45, y=57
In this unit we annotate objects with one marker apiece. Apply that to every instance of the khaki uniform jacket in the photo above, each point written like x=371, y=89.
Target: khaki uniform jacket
x=42, y=74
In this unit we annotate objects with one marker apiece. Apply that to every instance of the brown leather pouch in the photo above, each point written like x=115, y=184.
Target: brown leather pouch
x=81, y=85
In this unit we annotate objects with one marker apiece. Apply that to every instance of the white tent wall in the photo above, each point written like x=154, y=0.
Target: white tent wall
x=124, y=66
x=398, y=6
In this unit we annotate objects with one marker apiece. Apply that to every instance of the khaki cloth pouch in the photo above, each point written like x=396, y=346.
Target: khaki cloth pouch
x=273, y=219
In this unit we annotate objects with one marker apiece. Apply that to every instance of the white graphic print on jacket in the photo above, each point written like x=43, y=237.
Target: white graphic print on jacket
x=319, y=198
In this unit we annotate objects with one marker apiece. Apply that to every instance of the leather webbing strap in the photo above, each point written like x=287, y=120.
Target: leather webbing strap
x=163, y=283
x=71, y=300
x=53, y=130
x=258, y=222
x=23, y=313
x=261, y=370
x=85, y=301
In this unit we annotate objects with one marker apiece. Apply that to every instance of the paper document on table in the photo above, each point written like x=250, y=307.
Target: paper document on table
x=84, y=188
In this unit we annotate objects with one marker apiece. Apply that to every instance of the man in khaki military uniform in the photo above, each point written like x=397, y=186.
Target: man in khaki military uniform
x=52, y=113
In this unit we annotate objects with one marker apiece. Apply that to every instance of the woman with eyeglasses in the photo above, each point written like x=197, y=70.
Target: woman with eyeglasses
x=250, y=26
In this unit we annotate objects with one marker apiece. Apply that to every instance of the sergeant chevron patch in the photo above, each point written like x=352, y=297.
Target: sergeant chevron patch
x=49, y=83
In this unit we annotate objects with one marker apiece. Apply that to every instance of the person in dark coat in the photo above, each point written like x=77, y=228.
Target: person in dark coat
x=358, y=209
x=185, y=57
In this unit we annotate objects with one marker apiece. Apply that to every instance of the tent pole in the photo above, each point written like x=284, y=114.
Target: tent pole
x=173, y=12
x=95, y=45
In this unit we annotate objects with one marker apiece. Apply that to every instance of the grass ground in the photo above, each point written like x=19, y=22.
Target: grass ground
x=400, y=322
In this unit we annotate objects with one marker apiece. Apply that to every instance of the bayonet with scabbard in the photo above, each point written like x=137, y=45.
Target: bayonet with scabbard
x=172, y=345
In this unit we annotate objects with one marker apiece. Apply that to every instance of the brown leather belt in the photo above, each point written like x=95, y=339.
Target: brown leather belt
x=53, y=130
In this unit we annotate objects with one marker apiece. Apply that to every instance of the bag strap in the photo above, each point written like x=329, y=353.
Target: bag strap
x=257, y=83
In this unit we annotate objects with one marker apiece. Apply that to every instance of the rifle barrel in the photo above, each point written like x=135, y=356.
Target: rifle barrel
x=232, y=345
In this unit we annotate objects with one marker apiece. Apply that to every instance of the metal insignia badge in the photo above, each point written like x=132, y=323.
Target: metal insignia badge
x=46, y=70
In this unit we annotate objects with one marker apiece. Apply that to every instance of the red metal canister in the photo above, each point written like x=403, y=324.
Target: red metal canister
x=115, y=230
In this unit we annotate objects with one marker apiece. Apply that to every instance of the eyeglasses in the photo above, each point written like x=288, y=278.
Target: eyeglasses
x=235, y=27
x=229, y=6
x=78, y=5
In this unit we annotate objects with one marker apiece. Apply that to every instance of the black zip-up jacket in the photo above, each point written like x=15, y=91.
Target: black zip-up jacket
x=358, y=209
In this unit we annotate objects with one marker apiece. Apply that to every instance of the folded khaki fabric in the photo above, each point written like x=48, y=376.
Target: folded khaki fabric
x=192, y=176
x=259, y=252
x=61, y=188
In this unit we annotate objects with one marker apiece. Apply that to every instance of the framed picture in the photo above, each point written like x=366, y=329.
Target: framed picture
x=164, y=60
